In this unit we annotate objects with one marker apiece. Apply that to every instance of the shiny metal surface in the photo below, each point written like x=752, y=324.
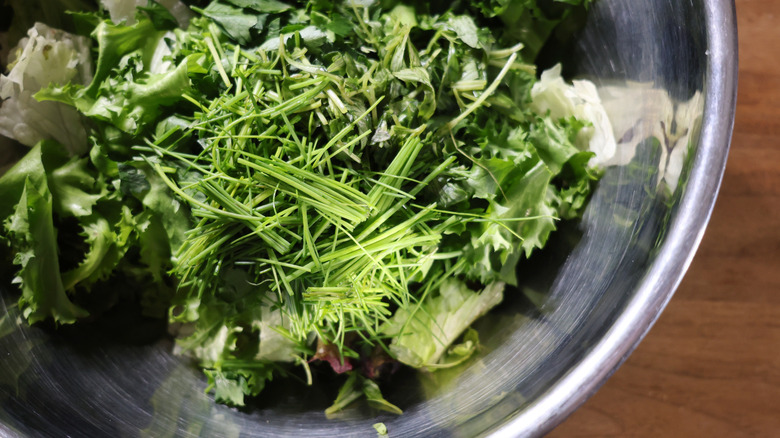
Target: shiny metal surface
x=667, y=73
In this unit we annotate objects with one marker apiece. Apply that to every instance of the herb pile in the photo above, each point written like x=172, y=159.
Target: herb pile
x=350, y=183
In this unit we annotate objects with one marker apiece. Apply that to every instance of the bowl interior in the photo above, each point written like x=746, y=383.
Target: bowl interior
x=652, y=62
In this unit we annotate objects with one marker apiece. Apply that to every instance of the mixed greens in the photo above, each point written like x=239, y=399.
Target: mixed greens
x=347, y=184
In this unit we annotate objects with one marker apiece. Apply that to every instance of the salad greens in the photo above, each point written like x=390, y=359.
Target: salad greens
x=347, y=184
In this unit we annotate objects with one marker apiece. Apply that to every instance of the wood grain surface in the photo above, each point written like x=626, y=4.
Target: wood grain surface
x=711, y=365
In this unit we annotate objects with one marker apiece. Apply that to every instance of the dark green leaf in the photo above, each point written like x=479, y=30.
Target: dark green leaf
x=264, y=6
x=160, y=17
x=133, y=181
x=236, y=23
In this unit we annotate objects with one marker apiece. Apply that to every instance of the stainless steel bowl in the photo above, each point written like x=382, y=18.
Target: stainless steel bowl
x=667, y=71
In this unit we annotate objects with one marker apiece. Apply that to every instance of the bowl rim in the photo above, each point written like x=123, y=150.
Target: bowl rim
x=676, y=253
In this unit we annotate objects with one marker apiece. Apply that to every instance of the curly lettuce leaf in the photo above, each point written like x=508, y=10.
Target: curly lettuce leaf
x=46, y=57
x=232, y=386
x=108, y=238
x=72, y=184
x=218, y=324
x=131, y=105
x=217, y=327
x=12, y=183
x=114, y=42
x=163, y=13
x=422, y=336
x=31, y=231
x=161, y=17
x=578, y=102
x=104, y=225
x=240, y=312
x=530, y=175
x=75, y=188
x=127, y=103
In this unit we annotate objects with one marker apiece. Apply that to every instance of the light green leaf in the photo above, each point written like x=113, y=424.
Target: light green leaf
x=350, y=392
x=464, y=27
x=420, y=75
x=421, y=336
x=31, y=230
x=227, y=390
x=74, y=188
x=115, y=41
x=381, y=429
x=376, y=399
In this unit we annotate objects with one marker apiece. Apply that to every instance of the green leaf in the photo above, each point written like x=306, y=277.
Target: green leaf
x=155, y=248
x=416, y=74
x=161, y=18
x=420, y=76
x=340, y=26
x=529, y=198
x=465, y=28
x=132, y=180
x=105, y=249
x=576, y=186
x=555, y=141
x=488, y=177
x=46, y=57
x=12, y=183
x=31, y=231
x=530, y=21
x=228, y=389
x=236, y=23
x=231, y=387
x=356, y=387
x=126, y=104
x=461, y=352
x=114, y=42
x=491, y=8
x=141, y=102
x=75, y=191
x=147, y=186
x=404, y=15
x=380, y=428
x=376, y=399
x=349, y=392
x=421, y=336
x=264, y=6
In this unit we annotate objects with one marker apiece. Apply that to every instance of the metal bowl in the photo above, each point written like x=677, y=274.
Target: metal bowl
x=667, y=74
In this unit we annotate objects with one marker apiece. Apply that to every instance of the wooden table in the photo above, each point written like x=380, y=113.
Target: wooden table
x=711, y=365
